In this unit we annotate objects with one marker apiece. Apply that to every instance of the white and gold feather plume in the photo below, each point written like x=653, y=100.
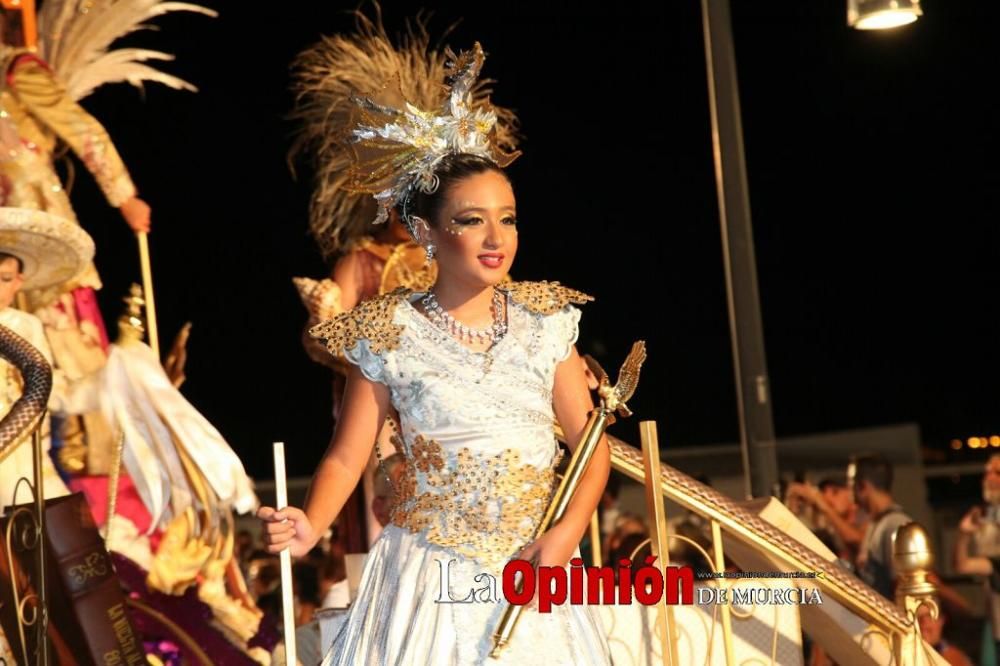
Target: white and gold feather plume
x=75, y=38
x=329, y=77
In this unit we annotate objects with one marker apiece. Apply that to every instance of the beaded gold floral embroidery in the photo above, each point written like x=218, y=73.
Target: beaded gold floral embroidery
x=545, y=297
x=482, y=507
x=370, y=320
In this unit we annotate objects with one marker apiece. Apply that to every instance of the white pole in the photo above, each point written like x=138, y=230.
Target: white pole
x=287, y=609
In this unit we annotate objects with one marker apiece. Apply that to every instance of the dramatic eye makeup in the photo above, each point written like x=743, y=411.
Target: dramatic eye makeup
x=458, y=224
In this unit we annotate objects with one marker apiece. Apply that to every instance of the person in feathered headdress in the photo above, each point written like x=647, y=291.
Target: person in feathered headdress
x=50, y=62
x=369, y=257
x=189, y=504
x=477, y=367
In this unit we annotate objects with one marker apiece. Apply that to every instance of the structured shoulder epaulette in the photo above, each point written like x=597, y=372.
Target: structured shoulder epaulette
x=370, y=320
x=544, y=297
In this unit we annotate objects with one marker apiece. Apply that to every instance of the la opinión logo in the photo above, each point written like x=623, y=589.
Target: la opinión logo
x=521, y=580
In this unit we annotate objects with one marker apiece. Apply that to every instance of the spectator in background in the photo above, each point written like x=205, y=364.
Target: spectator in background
x=635, y=542
x=690, y=543
x=837, y=524
x=977, y=551
x=931, y=628
x=334, y=588
x=626, y=525
x=265, y=582
x=871, y=480
x=608, y=507
x=305, y=582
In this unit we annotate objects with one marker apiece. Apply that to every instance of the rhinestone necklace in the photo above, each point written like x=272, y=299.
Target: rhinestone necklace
x=444, y=321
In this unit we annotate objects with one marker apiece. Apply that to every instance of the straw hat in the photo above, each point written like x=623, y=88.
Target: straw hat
x=52, y=249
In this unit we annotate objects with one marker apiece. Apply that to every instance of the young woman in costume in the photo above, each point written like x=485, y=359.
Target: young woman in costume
x=477, y=367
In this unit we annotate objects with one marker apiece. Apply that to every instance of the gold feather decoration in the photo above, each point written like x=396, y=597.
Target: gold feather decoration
x=75, y=38
x=330, y=77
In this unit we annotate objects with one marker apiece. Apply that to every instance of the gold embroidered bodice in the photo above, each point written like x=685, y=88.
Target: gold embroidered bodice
x=476, y=427
x=481, y=506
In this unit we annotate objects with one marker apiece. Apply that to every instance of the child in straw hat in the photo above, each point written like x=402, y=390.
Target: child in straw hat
x=36, y=250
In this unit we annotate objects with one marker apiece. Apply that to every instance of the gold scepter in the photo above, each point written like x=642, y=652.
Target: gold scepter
x=613, y=398
x=147, y=290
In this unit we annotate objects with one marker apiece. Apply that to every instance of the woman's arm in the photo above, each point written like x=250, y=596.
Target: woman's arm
x=347, y=274
x=572, y=403
x=365, y=406
x=851, y=534
x=963, y=562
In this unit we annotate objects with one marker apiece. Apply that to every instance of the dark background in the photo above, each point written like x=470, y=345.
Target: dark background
x=873, y=179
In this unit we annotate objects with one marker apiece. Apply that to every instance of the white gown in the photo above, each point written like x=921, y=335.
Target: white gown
x=479, y=446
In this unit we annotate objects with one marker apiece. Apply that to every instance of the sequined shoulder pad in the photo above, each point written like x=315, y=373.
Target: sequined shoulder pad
x=370, y=320
x=544, y=297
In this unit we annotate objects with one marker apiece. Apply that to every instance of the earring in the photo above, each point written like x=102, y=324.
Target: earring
x=430, y=249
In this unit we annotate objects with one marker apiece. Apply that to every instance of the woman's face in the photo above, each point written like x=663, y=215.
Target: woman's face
x=10, y=281
x=476, y=232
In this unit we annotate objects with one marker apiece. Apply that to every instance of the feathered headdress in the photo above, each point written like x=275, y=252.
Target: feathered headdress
x=76, y=37
x=402, y=87
x=397, y=150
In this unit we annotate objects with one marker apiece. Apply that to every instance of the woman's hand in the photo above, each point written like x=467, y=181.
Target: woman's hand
x=288, y=528
x=554, y=548
x=137, y=215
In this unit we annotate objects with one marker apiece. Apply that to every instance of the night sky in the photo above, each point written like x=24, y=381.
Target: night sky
x=873, y=186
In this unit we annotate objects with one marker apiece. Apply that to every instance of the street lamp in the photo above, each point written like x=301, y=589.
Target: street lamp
x=881, y=14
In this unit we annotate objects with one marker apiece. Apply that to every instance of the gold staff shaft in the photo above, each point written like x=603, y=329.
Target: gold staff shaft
x=613, y=398
x=584, y=451
x=147, y=288
x=574, y=471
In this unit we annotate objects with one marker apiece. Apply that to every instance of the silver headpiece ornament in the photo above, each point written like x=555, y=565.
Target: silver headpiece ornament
x=396, y=151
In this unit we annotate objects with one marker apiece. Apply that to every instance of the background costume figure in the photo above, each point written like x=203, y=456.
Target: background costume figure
x=36, y=250
x=369, y=259
x=46, y=73
x=187, y=480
